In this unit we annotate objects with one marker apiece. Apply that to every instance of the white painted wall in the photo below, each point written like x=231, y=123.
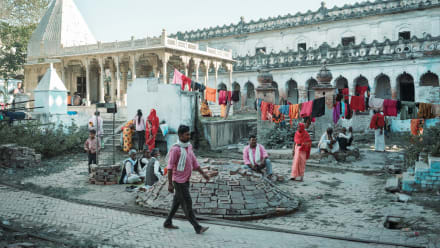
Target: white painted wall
x=172, y=104
x=368, y=29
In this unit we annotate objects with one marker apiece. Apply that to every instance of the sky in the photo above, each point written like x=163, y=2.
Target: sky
x=111, y=20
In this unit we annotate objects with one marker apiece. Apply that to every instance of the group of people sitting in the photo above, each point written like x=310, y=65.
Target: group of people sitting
x=146, y=168
x=332, y=144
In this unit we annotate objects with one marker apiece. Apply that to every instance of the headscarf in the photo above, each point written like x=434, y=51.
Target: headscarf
x=154, y=121
x=302, y=137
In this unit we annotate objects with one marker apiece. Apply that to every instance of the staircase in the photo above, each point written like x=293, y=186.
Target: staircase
x=216, y=109
x=106, y=154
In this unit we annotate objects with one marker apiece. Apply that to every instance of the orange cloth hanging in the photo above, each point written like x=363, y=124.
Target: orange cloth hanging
x=264, y=110
x=417, y=126
x=223, y=110
x=293, y=112
x=210, y=94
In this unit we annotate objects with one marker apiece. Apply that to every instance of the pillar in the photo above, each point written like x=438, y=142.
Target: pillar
x=101, y=80
x=207, y=64
x=394, y=88
x=196, y=68
x=118, y=80
x=230, y=77
x=133, y=67
x=87, y=82
x=113, y=83
x=165, y=57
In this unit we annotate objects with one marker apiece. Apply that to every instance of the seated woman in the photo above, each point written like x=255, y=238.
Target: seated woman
x=345, y=139
x=204, y=109
x=129, y=170
x=328, y=144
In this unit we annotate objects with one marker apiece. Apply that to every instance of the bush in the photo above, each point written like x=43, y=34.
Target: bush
x=278, y=138
x=48, y=140
x=428, y=143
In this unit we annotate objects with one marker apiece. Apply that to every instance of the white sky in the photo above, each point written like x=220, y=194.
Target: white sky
x=111, y=20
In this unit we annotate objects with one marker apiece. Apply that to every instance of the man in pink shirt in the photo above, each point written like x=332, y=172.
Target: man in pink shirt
x=256, y=158
x=91, y=146
x=180, y=166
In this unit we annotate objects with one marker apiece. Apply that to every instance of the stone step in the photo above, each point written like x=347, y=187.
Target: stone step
x=392, y=185
x=408, y=182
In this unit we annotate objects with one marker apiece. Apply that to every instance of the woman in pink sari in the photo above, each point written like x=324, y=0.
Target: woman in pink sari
x=301, y=152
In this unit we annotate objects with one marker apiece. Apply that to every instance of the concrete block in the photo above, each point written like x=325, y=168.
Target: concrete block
x=421, y=167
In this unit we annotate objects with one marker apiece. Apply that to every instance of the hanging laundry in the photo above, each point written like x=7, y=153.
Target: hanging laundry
x=360, y=90
x=417, y=126
x=210, y=94
x=375, y=103
x=390, y=107
x=342, y=109
x=377, y=121
x=236, y=95
x=229, y=95
x=284, y=109
x=336, y=112
x=222, y=97
x=425, y=111
x=345, y=93
x=223, y=108
x=357, y=103
x=408, y=110
x=306, y=109
x=264, y=109
x=186, y=81
x=436, y=110
x=293, y=112
x=177, y=79
x=348, y=110
x=318, y=107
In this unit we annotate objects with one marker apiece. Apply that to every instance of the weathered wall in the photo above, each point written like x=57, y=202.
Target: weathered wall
x=226, y=132
x=405, y=125
x=172, y=105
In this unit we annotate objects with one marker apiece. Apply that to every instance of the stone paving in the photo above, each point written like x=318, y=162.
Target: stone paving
x=111, y=228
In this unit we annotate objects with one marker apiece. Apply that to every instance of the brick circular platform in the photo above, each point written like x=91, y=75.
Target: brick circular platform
x=231, y=193
x=104, y=175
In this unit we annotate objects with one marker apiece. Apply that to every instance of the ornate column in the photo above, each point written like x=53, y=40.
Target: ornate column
x=207, y=65
x=118, y=80
x=133, y=66
x=394, y=84
x=113, y=82
x=216, y=67
x=185, y=60
x=101, y=80
x=196, y=68
x=63, y=73
x=164, y=57
x=86, y=62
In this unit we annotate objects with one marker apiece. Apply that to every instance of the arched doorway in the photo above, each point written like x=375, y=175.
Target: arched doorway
x=406, y=87
x=429, y=79
x=277, y=93
x=341, y=83
x=311, y=84
x=221, y=86
x=236, y=88
x=383, y=87
x=250, y=94
x=292, y=91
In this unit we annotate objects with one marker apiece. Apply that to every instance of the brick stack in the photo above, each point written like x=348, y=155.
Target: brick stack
x=231, y=193
x=104, y=175
x=14, y=156
x=424, y=177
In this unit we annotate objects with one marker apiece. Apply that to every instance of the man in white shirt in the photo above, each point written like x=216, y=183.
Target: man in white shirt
x=96, y=122
x=129, y=174
x=153, y=172
x=143, y=162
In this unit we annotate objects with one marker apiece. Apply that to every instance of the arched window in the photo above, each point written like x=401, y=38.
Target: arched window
x=383, y=87
x=250, y=94
x=277, y=93
x=406, y=87
x=429, y=79
x=292, y=91
x=311, y=84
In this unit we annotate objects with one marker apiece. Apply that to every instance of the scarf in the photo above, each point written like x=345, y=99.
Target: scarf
x=183, y=154
x=301, y=137
x=257, y=155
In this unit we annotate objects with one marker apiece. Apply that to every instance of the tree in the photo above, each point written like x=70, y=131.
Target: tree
x=22, y=12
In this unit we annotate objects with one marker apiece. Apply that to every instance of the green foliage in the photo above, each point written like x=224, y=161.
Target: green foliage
x=13, y=38
x=23, y=12
x=278, y=137
x=428, y=143
x=49, y=140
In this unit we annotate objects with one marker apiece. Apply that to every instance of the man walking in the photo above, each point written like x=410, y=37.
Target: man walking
x=181, y=163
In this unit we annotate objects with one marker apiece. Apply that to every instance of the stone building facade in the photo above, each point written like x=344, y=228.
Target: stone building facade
x=393, y=46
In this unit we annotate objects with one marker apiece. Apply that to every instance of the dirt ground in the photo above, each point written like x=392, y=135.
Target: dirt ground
x=338, y=199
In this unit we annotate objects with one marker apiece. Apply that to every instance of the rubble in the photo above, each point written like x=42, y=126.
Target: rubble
x=231, y=193
x=15, y=156
x=104, y=175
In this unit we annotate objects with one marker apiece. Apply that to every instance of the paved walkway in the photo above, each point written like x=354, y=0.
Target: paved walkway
x=122, y=229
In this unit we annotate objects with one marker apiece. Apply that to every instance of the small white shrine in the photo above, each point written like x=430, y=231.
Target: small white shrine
x=51, y=94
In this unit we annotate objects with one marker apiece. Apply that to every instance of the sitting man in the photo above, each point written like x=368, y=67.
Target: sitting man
x=256, y=158
x=129, y=174
x=153, y=171
x=345, y=139
x=204, y=109
x=327, y=144
x=143, y=162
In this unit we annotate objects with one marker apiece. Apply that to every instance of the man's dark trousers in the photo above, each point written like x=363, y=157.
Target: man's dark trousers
x=92, y=160
x=182, y=197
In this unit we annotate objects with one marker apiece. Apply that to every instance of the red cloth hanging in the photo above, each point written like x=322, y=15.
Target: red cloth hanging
x=222, y=97
x=390, y=107
x=306, y=109
x=264, y=110
x=361, y=90
x=377, y=121
x=357, y=103
x=186, y=81
x=345, y=93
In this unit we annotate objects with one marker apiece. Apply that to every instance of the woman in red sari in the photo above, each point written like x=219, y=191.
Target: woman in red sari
x=151, y=129
x=301, y=151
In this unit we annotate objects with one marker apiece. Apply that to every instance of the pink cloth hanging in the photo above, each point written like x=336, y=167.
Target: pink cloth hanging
x=177, y=79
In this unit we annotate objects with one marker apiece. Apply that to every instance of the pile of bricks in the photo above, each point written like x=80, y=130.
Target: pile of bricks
x=104, y=175
x=14, y=156
x=231, y=193
x=423, y=177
